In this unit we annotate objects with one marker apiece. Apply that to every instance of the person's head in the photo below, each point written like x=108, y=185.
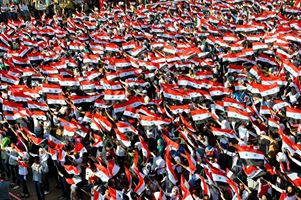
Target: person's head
x=266, y=196
x=241, y=186
x=290, y=190
x=206, y=197
x=293, y=90
x=2, y=176
x=175, y=191
x=37, y=160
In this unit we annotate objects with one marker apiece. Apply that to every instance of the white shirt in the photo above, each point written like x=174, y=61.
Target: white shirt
x=120, y=151
x=24, y=7
x=37, y=128
x=89, y=173
x=293, y=97
x=159, y=164
x=243, y=134
x=23, y=170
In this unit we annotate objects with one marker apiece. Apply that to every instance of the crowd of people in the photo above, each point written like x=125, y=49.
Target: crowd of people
x=171, y=100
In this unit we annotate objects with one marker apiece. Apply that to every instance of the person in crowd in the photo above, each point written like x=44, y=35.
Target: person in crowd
x=4, y=187
x=37, y=177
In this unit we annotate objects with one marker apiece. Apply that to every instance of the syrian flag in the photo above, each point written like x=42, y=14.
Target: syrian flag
x=52, y=153
x=110, y=85
x=103, y=121
x=79, y=148
x=293, y=113
x=179, y=109
x=200, y=115
x=259, y=46
x=129, y=72
x=223, y=132
x=68, y=82
x=194, y=83
x=273, y=123
x=116, y=95
x=73, y=181
x=170, y=143
x=266, y=59
x=160, y=195
x=122, y=138
x=49, y=70
x=269, y=90
x=102, y=173
x=253, y=171
x=97, y=195
x=111, y=47
x=173, y=94
x=98, y=141
x=128, y=176
x=153, y=120
x=115, y=194
x=70, y=169
x=144, y=148
x=186, y=123
x=203, y=75
x=169, y=169
x=69, y=131
x=10, y=106
x=237, y=114
x=37, y=141
x=37, y=105
x=9, y=79
x=278, y=104
x=287, y=143
x=205, y=186
x=140, y=187
x=185, y=189
x=20, y=61
x=87, y=85
x=113, y=168
x=265, y=110
x=131, y=112
x=55, y=99
x=295, y=178
x=218, y=175
x=232, y=102
x=235, y=68
x=83, y=99
x=191, y=162
x=90, y=58
x=255, y=72
x=4, y=39
x=218, y=91
x=54, y=142
x=128, y=45
x=247, y=152
x=92, y=75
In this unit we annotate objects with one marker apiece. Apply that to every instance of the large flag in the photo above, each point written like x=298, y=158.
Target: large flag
x=144, y=148
x=247, y=152
x=115, y=194
x=222, y=132
x=140, y=187
x=295, y=178
x=237, y=114
x=200, y=115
